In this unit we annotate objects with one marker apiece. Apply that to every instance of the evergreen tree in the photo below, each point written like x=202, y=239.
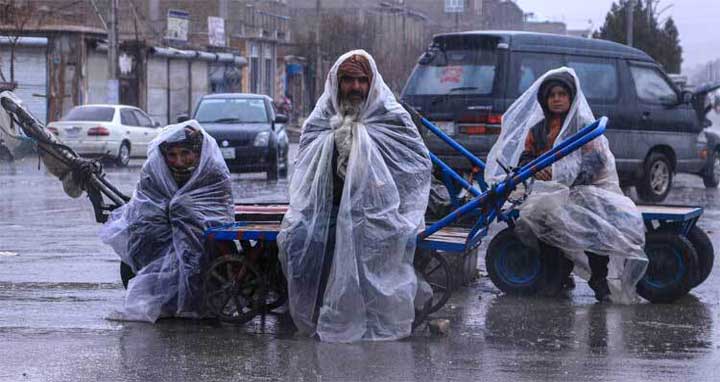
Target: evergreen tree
x=662, y=43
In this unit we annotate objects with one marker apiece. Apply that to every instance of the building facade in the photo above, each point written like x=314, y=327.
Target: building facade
x=170, y=52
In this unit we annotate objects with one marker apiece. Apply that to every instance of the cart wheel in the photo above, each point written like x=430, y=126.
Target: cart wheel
x=436, y=271
x=705, y=255
x=277, y=292
x=126, y=273
x=513, y=267
x=234, y=290
x=669, y=274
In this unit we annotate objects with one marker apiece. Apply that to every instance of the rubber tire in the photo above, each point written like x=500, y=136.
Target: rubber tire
x=705, y=255
x=710, y=179
x=506, y=240
x=126, y=273
x=643, y=187
x=272, y=170
x=123, y=160
x=672, y=290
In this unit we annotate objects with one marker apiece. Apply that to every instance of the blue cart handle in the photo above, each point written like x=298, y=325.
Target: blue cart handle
x=502, y=189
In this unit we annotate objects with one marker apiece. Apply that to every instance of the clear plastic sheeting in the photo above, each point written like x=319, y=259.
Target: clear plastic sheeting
x=372, y=283
x=582, y=209
x=159, y=233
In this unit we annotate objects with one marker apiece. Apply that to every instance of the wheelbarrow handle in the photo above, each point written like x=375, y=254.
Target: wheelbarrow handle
x=502, y=189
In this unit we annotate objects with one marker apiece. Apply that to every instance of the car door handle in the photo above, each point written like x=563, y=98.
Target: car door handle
x=645, y=115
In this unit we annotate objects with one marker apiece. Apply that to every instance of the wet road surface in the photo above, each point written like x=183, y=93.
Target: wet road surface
x=58, y=283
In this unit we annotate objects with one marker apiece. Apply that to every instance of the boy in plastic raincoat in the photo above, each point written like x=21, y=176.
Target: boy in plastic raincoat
x=577, y=205
x=184, y=189
x=357, y=200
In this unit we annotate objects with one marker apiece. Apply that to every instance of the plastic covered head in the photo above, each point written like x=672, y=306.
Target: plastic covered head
x=562, y=79
x=181, y=149
x=189, y=137
x=526, y=112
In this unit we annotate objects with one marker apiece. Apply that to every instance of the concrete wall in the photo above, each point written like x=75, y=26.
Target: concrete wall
x=157, y=89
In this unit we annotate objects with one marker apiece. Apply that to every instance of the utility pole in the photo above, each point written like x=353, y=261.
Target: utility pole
x=318, y=52
x=112, y=83
x=630, y=20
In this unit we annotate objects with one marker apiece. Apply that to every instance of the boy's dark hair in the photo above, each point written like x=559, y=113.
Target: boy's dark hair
x=564, y=79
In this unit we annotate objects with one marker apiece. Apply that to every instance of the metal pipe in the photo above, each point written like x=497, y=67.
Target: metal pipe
x=447, y=169
x=475, y=161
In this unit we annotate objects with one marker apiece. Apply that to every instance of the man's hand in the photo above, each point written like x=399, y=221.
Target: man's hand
x=544, y=174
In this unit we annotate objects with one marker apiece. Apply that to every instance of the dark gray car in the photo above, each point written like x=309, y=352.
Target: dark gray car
x=465, y=81
x=251, y=136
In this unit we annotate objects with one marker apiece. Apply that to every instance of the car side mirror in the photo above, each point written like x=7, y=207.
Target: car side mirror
x=156, y=124
x=183, y=118
x=281, y=118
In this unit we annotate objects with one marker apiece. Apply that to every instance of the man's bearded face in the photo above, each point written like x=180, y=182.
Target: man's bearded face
x=354, y=90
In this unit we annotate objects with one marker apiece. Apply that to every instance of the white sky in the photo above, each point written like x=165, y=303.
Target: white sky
x=696, y=20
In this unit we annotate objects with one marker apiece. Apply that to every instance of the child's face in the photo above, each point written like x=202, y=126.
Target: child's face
x=558, y=100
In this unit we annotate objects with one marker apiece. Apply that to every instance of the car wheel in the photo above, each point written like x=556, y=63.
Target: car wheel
x=272, y=169
x=657, y=178
x=711, y=175
x=123, y=157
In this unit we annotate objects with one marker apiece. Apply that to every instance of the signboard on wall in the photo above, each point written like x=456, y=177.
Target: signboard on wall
x=178, y=25
x=454, y=6
x=216, y=31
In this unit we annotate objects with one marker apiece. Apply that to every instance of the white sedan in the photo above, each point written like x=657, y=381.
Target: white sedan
x=113, y=131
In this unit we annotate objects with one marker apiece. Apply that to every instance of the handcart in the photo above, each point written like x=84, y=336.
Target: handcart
x=245, y=278
x=242, y=284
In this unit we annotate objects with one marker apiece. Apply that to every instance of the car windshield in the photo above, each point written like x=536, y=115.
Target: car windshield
x=232, y=110
x=90, y=113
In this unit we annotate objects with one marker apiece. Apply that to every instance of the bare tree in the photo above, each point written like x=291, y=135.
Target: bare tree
x=15, y=16
x=340, y=33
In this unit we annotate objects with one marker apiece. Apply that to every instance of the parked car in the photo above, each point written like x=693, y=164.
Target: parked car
x=251, y=135
x=465, y=81
x=116, y=131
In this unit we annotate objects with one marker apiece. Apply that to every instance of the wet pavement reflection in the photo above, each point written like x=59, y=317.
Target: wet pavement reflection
x=58, y=283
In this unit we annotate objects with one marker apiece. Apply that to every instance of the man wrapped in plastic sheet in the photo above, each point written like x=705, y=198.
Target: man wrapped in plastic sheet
x=357, y=200
x=184, y=189
x=576, y=206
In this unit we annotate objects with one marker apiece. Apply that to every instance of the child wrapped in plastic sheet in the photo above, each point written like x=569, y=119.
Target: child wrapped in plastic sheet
x=576, y=206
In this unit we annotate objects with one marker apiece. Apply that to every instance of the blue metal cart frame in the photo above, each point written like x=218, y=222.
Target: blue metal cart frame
x=487, y=205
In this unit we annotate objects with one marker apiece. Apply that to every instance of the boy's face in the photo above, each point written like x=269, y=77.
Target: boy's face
x=181, y=158
x=558, y=100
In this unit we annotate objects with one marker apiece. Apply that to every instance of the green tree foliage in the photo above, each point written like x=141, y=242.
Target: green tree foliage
x=661, y=42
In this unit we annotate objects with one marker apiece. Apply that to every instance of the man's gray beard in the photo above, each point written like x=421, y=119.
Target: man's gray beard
x=349, y=109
